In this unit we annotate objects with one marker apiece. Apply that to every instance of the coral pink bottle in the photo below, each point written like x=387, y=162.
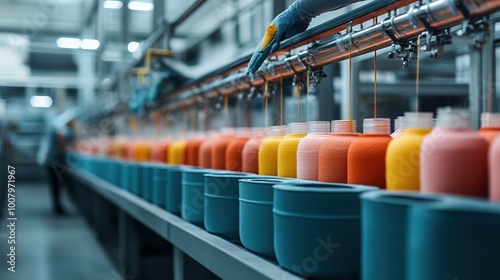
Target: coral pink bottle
x=159, y=151
x=490, y=126
x=453, y=157
x=366, y=155
x=494, y=164
x=332, y=158
x=205, y=153
x=192, y=151
x=218, y=153
x=234, y=151
x=308, y=149
x=250, y=157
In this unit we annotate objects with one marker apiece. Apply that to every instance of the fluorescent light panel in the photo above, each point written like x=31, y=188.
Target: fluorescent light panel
x=40, y=101
x=112, y=4
x=132, y=46
x=75, y=43
x=90, y=44
x=68, y=43
x=140, y=6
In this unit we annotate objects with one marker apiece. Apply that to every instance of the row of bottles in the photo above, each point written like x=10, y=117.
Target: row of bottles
x=446, y=158
x=450, y=158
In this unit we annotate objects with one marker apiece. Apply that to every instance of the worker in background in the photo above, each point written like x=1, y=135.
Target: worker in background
x=52, y=156
x=292, y=21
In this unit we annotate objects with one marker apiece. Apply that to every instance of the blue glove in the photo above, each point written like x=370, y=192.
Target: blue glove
x=292, y=21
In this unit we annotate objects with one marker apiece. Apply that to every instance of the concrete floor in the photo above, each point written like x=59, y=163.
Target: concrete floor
x=50, y=247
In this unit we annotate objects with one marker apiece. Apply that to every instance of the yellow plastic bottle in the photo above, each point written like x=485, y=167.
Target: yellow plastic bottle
x=287, y=150
x=176, y=152
x=268, y=151
x=143, y=151
x=403, y=153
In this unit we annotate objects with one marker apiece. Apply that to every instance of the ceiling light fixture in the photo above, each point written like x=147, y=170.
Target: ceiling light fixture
x=112, y=4
x=68, y=43
x=41, y=101
x=90, y=44
x=132, y=46
x=140, y=6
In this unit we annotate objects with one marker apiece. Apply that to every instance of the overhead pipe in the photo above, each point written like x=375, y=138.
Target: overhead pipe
x=440, y=14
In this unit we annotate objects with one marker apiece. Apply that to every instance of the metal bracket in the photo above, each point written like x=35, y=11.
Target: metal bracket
x=481, y=30
x=345, y=42
x=406, y=51
x=435, y=42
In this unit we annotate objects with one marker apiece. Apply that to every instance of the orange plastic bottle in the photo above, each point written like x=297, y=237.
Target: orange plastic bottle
x=159, y=151
x=490, y=126
x=332, y=159
x=250, y=157
x=366, y=155
x=494, y=166
x=268, y=151
x=287, y=150
x=403, y=154
x=454, y=158
x=218, y=154
x=308, y=149
x=193, y=150
x=234, y=153
x=130, y=150
x=205, y=153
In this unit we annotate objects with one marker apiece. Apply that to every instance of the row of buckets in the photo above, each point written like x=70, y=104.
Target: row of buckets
x=324, y=230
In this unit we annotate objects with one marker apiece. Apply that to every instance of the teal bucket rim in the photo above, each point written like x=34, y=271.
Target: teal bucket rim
x=265, y=181
x=313, y=188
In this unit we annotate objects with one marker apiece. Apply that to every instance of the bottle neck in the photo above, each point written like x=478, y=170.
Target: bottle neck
x=418, y=120
x=377, y=126
x=453, y=118
x=344, y=126
x=278, y=130
x=297, y=128
x=490, y=120
x=318, y=127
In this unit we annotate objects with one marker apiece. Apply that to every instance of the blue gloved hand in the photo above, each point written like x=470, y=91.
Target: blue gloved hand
x=292, y=21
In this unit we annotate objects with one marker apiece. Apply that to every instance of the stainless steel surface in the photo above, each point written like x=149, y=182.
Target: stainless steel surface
x=223, y=258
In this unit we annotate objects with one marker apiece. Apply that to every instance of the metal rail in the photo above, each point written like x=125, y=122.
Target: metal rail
x=436, y=15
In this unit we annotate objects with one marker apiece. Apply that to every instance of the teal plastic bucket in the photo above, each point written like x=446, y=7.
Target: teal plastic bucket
x=317, y=229
x=159, y=184
x=385, y=232
x=173, y=195
x=193, y=198
x=222, y=204
x=457, y=239
x=256, y=214
x=125, y=176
